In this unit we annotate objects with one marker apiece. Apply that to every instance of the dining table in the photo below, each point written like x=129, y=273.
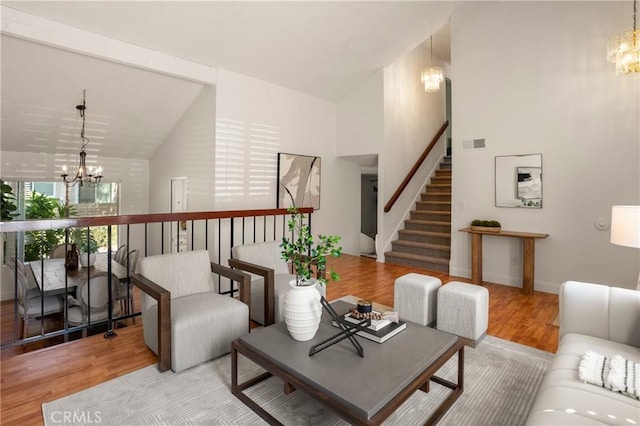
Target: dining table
x=53, y=278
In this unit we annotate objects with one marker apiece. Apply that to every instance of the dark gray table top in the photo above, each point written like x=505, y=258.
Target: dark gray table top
x=366, y=384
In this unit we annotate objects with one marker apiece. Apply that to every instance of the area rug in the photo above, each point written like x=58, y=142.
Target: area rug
x=501, y=380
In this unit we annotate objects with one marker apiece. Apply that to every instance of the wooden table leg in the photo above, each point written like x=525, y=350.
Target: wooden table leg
x=528, y=266
x=476, y=258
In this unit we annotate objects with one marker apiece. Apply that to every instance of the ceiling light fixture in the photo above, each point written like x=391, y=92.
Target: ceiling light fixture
x=84, y=176
x=431, y=77
x=624, y=48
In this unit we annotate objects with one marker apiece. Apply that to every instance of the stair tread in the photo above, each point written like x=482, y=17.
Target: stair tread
x=434, y=202
x=437, y=212
x=422, y=245
x=427, y=222
x=425, y=233
x=417, y=257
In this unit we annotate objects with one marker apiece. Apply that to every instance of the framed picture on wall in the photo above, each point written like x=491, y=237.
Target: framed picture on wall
x=529, y=183
x=298, y=181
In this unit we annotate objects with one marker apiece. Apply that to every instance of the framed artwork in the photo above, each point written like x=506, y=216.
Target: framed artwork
x=529, y=183
x=298, y=181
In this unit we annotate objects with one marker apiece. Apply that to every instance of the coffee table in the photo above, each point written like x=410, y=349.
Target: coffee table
x=360, y=390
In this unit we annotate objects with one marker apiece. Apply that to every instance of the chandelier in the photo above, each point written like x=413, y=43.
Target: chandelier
x=431, y=77
x=624, y=48
x=84, y=175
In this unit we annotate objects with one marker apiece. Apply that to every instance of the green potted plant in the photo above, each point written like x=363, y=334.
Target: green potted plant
x=87, y=246
x=38, y=243
x=301, y=305
x=486, y=225
x=303, y=253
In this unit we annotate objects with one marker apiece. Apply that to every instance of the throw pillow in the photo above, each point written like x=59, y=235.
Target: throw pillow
x=624, y=376
x=614, y=373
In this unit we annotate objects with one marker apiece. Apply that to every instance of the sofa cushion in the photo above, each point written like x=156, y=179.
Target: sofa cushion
x=597, y=310
x=564, y=399
x=180, y=273
x=267, y=254
x=203, y=326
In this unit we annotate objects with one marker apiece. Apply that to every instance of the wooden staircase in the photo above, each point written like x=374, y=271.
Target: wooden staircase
x=426, y=240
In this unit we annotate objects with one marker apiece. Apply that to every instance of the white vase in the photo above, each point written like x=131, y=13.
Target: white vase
x=302, y=310
x=86, y=261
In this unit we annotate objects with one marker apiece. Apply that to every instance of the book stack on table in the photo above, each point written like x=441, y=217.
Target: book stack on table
x=379, y=330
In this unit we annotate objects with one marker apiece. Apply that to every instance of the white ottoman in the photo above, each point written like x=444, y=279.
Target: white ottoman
x=415, y=297
x=463, y=309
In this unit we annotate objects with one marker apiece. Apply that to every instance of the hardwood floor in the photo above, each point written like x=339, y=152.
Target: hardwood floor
x=33, y=375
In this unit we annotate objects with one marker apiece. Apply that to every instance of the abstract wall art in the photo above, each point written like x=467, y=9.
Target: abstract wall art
x=298, y=181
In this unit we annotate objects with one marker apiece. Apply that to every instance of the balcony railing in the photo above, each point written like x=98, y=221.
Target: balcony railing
x=151, y=234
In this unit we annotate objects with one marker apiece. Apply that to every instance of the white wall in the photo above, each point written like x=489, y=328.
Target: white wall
x=532, y=77
x=360, y=118
x=411, y=119
x=187, y=152
x=304, y=125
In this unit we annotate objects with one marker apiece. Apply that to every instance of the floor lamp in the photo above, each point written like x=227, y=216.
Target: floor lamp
x=625, y=227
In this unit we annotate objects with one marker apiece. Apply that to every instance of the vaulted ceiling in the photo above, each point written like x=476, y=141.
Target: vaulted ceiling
x=324, y=49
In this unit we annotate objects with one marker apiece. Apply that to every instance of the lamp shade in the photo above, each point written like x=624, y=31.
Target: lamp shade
x=625, y=226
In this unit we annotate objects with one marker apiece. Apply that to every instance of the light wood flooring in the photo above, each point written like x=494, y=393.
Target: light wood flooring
x=35, y=374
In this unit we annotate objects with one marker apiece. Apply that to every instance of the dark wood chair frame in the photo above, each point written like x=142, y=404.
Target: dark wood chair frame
x=163, y=297
x=269, y=284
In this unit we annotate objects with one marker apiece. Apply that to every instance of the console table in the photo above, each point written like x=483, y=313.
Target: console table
x=528, y=267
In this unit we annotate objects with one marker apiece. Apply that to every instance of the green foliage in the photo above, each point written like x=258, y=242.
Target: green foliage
x=7, y=202
x=302, y=252
x=487, y=223
x=530, y=203
x=40, y=243
x=84, y=239
x=100, y=235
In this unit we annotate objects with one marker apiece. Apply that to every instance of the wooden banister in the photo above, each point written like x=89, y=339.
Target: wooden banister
x=415, y=168
x=44, y=224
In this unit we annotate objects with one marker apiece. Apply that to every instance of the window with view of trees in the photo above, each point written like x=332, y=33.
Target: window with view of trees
x=43, y=200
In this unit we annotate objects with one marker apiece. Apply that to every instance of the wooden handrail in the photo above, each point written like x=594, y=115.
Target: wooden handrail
x=44, y=224
x=415, y=168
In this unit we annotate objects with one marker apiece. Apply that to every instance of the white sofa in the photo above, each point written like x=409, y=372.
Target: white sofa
x=602, y=319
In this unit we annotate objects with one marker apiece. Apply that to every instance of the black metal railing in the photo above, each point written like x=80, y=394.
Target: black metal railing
x=151, y=234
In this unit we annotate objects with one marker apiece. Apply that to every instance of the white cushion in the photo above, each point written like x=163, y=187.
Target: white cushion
x=415, y=298
x=562, y=389
x=267, y=254
x=203, y=325
x=181, y=273
x=463, y=309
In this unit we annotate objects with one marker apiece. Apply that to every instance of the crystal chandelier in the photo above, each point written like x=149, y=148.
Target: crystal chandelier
x=431, y=77
x=83, y=176
x=624, y=48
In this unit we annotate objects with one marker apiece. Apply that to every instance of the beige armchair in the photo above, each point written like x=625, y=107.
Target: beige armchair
x=185, y=322
x=270, y=277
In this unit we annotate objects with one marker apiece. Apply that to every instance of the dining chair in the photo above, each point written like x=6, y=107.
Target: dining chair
x=125, y=289
x=59, y=251
x=121, y=254
x=31, y=302
x=91, y=304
